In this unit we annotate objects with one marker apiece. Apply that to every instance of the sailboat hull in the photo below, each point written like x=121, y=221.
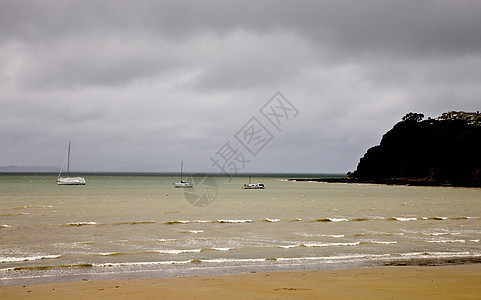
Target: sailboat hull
x=71, y=181
x=254, y=186
x=183, y=184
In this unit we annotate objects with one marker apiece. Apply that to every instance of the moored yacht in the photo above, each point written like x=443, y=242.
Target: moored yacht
x=69, y=180
x=182, y=184
x=253, y=186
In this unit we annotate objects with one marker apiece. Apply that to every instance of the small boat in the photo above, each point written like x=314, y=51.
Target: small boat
x=253, y=186
x=69, y=180
x=182, y=184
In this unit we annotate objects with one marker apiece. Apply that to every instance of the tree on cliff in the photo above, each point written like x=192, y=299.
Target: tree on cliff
x=412, y=117
x=442, y=151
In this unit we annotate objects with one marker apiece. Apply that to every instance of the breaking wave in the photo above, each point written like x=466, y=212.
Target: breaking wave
x=233, y=221
x=28, y=258
x=81, y=223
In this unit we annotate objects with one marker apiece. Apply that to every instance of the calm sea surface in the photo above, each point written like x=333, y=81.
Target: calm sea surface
x=140, y=225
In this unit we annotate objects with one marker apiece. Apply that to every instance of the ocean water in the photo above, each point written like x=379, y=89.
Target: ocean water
x=124, y=226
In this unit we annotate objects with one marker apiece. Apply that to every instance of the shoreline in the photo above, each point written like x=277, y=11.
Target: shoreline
x=389, y=181
x=462, y=281
x=73, y=276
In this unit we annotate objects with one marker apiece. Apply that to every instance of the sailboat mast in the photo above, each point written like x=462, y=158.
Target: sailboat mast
x=68, y=160
x=181, y=168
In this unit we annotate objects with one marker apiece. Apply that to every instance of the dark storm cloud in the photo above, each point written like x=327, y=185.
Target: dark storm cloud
x=412, y=26
x=132, y=81
x=114, y=42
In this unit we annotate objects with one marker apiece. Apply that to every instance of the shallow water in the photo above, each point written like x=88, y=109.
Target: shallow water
x=140, y=225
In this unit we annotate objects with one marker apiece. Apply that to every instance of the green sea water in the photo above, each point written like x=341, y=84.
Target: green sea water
x=134, y=225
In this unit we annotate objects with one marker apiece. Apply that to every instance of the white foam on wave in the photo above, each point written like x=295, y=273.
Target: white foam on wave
x=179, y=251
x=134, y=222
x=270, y=260
x=328, y=244
x=166, y=240
x=21, y=207
x=465, y=218
x=379, y=234
x=446, y=241
x=339, y=220
x=333, y=220
x=178, y=222
x=82, y=243
x=120, y=241
x=234, y=221
x=435, y=233
x=169, y=262
x=335, y=258
x=5, y=226
x=82, y=223
x=272, y=220
x=109, y=253
x=221, y=249
x=435, y=254
x=379, y=242
x=28, y=258
x=233, y=260
x=192, y=231
x=440, y=233
x=404, y=219
x=335, y=236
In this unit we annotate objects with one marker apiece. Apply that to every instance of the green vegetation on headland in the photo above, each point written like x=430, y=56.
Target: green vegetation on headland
x=432, y=152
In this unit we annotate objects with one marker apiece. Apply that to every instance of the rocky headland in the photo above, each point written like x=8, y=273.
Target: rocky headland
x=445, y=151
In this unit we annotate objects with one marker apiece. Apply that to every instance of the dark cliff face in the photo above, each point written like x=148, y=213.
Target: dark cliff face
x=442, y=151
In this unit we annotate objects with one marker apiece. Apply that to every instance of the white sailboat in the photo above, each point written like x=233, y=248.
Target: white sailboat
x=69, y=180
x=253, y=186
x=182, y=184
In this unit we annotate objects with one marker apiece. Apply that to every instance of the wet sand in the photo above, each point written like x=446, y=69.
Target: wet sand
x=393, y=282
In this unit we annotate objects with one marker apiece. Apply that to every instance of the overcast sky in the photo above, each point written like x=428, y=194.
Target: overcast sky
x=142, y=85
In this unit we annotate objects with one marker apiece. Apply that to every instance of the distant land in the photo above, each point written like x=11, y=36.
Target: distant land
x=28, y=169
x=444, y=151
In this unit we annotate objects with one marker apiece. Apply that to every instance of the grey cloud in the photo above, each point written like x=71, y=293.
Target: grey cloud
x=246, y=61
x=98, y=61
x=148, y=83
x=411, y=26
x=117, y=42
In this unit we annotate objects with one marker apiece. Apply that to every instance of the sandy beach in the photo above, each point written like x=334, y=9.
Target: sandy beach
x=415, y=282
